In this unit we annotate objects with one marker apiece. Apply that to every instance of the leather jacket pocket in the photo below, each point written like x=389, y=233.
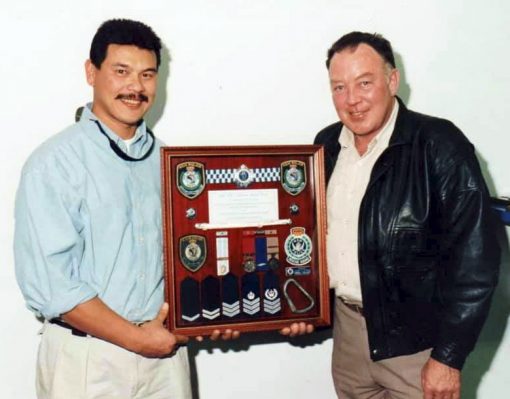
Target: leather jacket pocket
x=411, y=247
x=413, y=256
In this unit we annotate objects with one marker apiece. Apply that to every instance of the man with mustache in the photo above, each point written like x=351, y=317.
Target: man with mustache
x=412, y=253
x=88, y=245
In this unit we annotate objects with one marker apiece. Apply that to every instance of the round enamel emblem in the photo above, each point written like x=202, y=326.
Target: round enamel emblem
x=192, y=252
x=190, y=179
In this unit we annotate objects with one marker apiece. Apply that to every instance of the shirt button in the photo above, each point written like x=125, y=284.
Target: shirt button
x=375, y=351
x=141, y=239
x=142, y=276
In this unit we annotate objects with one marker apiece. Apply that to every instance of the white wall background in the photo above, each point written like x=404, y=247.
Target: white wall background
x=252, y=72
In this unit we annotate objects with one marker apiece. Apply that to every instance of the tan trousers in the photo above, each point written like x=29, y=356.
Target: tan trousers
x=72, y=367
x=356, y=376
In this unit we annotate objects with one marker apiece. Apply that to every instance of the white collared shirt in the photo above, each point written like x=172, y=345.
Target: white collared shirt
x=345, y=192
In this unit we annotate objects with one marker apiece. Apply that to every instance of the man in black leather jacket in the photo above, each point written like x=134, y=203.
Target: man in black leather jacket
x=411, y=248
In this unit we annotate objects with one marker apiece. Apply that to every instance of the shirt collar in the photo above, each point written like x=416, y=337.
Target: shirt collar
x=139, y=139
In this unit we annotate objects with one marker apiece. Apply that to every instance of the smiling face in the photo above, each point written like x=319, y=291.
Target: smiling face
x=363, y=89
x=124, y=87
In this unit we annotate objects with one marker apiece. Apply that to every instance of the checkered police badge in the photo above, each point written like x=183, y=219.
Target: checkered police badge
x=243, y=176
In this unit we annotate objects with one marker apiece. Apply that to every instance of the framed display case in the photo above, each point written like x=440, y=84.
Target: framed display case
x=244, y=237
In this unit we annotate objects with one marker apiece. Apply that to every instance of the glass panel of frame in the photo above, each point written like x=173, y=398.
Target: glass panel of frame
x=244, y=237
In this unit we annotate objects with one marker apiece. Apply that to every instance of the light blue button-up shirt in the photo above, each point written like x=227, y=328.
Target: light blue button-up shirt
x=88, y=224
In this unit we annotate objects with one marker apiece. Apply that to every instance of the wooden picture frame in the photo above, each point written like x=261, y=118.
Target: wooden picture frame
x=244, y=231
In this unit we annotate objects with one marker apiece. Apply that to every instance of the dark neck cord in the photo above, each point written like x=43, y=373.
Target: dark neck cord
x=121, y=154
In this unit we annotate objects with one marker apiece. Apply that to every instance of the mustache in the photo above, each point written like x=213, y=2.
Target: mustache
x=137, y=97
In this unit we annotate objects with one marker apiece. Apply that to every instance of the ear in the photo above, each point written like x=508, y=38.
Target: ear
x=394, y=81
x=90, y=72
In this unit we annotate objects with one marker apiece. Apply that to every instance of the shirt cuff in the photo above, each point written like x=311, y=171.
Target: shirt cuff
x=66, y=301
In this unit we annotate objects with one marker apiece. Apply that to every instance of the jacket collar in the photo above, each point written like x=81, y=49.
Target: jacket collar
x=403, y=132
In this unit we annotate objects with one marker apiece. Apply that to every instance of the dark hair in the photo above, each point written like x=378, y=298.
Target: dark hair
x=354, y=39
x=123, y=31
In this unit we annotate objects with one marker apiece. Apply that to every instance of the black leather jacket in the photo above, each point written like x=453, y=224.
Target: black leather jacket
x=428, y=254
